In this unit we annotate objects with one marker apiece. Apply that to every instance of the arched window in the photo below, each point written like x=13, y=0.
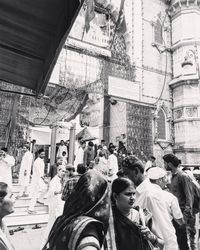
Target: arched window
x=161, y=125
x=158, y=36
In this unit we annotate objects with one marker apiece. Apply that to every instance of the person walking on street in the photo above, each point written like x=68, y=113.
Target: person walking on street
x=25, y=171
x=150, y=196
x=38, y=183
x=181, y=187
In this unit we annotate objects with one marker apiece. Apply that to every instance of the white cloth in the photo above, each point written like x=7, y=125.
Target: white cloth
x=112, y=166
x=172, y=205
x=6, y=169
x=79, y=157
x=37, y=184
x=55, y=204
x=26, y=164
x=61, y=149
x=150, y=196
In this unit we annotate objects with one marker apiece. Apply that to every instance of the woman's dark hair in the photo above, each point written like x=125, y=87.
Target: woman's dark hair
x=81, y=169
x=119, y=185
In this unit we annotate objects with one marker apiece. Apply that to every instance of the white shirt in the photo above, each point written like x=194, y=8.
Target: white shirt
x=79, y=157
x=172, y=205
x=61, y=149
x=38, y=168
x=25, y=166
x=150, y=196
x=6, y=169
x=113, y=166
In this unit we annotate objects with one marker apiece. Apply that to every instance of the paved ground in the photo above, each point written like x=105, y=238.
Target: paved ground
x=28, y=239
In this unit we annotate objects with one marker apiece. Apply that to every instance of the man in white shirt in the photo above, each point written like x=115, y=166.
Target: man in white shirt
x=149, y=196
x=79, y=154
x=112, y=165
x=38, y=183
x=62, y=148
x=25, y=171
x=158, y=176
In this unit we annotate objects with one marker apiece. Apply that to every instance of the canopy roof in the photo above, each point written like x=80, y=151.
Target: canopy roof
x=32, y=34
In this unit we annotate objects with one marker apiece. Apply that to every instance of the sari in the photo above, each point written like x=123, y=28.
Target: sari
x=126, y=234
x=88, y=204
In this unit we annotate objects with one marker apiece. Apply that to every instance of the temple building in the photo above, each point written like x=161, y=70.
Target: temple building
x=131, y=69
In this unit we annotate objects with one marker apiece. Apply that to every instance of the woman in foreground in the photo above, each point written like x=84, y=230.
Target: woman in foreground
x=131, y=225
x=84, y=222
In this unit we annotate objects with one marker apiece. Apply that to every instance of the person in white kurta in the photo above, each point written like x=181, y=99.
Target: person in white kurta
x=62, y=148
x=25, y=170
x=150, y=196
x=6, y=163
x=79, y=153
x=55, y=203
x=112, y=166
x=38, y=183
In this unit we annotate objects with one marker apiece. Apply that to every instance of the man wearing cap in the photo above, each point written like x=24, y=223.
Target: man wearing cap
x=38, y=182
x=25, y=171
x=181, y=187
x=149, y=196
x=158, y=176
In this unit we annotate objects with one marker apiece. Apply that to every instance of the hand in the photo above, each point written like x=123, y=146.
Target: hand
x=147, y=234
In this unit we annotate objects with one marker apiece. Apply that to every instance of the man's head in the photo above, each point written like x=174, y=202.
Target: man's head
x=158, y=176
x=102, y=142
x=81, y=169
x=26, y=147
x=133, y=168
x=62, y=142
x=70, y=168
x=171, y=162
x=41, y=153
x=61, y=171
x=59, y=160
x=90, y=145
x=83, y=144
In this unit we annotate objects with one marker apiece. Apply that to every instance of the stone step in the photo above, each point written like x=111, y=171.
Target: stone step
x=23, y=208
x=15, y=188
x=26, y=201
x=24, y=219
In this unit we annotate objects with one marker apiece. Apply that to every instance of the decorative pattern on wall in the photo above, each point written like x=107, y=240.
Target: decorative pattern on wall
x=139, y=130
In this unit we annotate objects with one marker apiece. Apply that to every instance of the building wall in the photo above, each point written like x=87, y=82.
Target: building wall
x=185, y=18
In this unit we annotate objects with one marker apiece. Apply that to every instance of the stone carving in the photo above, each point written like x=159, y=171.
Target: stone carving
x=178, y=113
x=191, y=112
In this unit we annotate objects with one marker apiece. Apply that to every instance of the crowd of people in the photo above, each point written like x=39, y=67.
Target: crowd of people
x=108, y=199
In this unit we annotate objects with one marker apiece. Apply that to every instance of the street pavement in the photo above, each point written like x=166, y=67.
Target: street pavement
x=27, y=239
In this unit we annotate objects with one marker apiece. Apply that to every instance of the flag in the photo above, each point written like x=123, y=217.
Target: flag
x=89, y=15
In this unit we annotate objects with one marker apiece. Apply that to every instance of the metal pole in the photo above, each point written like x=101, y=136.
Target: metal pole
x=53, y=144
x=72, y=137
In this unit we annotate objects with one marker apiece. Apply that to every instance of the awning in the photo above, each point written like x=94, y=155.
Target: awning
x=32, y=33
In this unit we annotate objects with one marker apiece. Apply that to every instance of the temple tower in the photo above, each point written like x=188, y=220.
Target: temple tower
x=185, y=23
